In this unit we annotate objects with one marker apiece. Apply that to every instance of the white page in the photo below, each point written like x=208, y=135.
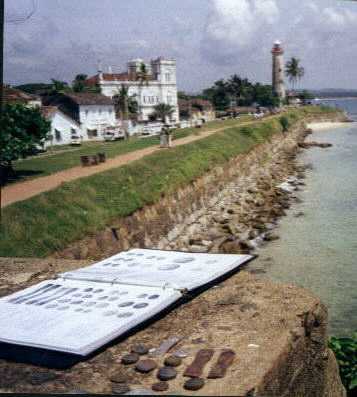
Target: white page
x=87, y=316
x=173, y=269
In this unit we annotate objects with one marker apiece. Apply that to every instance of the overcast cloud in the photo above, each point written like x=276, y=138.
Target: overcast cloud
x=210, y=39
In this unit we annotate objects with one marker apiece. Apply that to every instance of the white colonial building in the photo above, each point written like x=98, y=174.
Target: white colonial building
x=63, y=127
x=93, y=114
x=160, y=86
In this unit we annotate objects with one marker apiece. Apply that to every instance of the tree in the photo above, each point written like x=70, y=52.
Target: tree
x=264, y=96
x=163, y=111
x=59, y=86
x=23, y=130
x=294, y=71
x=78, y=84
x=218, y=94
x=125, y=105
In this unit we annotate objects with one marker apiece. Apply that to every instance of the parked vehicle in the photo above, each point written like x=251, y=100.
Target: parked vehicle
x=114, y=135
x=76, y=140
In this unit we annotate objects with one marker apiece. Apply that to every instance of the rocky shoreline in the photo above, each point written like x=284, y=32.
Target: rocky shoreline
x=245, y=212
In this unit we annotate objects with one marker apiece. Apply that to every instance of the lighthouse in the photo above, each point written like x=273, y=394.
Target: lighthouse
x=278, y=70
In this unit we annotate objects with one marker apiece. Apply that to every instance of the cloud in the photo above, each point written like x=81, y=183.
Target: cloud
x=239, y=34
x=235, y=22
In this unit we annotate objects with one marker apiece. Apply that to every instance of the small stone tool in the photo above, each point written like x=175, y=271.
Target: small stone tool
x=196, y=368
x=224, y=361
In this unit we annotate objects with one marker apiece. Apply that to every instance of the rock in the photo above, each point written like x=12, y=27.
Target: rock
x=299, y=214
x=140, y=349
x=120, y=389
x=271, y=237
x=41, y=377
x=139, y=392
x=129, y=359
x=194, y=384
x=118, y=377
x=167, y=373
x=160, y=386
x=145, y=366
x=173, y=361
x=198, y=249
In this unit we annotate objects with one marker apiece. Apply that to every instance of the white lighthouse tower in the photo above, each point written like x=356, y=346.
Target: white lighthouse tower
x=278, y=70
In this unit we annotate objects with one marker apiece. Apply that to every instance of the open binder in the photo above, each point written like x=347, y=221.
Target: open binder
x=82, y=310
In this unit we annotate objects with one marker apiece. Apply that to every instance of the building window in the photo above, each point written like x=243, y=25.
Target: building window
x=58, y=135
x=169, y=99
x=87, y=112
x=92, y=133
x=100, y=112
x=168, y=77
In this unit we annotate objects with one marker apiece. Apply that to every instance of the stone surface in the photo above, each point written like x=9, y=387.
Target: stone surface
x=173, y=361
x=120, y=389
x=145, y=366
x=167, y=373
x=194, y=384
x=160, y=386
x=129, y=359
x=41, y=377
x=119, y=377
x=140, y=349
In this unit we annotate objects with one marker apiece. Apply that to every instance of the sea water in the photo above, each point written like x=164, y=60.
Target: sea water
x=318, y=250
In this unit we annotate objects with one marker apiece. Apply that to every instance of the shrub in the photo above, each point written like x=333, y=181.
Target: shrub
x=345, y=350
x=285, y=123
x=246, y=131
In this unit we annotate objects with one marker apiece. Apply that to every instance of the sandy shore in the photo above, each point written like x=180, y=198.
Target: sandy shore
x=326, y=125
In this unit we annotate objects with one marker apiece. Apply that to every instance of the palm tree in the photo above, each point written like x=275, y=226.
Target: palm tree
x=294, y=71
x=125, y=105
x=163, y=111
x=143, y=77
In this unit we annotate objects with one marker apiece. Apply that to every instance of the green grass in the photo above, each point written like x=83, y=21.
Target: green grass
x=69, y=157
x=48, y=222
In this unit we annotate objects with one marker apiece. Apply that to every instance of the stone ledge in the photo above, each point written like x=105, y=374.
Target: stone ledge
x=277, y=331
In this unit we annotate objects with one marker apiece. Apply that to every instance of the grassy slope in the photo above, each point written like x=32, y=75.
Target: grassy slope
x=50, y=221
x=70, y=157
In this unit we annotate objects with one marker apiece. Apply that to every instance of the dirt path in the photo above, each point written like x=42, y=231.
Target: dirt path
x=25, y=190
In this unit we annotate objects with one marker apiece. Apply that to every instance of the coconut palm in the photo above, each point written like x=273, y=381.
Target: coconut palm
x=294, y=71
x=143, y=77
x=125, y=105
x=163, y=111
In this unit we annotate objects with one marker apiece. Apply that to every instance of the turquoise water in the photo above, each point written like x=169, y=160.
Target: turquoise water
x=318, y=250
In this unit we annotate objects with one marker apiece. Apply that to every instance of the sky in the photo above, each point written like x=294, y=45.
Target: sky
x=210, y=39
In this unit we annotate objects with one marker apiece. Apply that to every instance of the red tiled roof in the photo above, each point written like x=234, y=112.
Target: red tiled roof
x=13, y=95
x=86, y=98
x=94, y=80
x=48, y=111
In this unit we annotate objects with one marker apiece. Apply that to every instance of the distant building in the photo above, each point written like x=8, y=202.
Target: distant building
x=278, y=70
x=63, y=127
x=15, y=96
x=160, y=86
x=195, y=111
x=94, y=113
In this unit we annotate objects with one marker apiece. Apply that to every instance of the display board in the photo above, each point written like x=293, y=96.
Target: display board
x=75, y=316
x=181, y=270
x=83, y=310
